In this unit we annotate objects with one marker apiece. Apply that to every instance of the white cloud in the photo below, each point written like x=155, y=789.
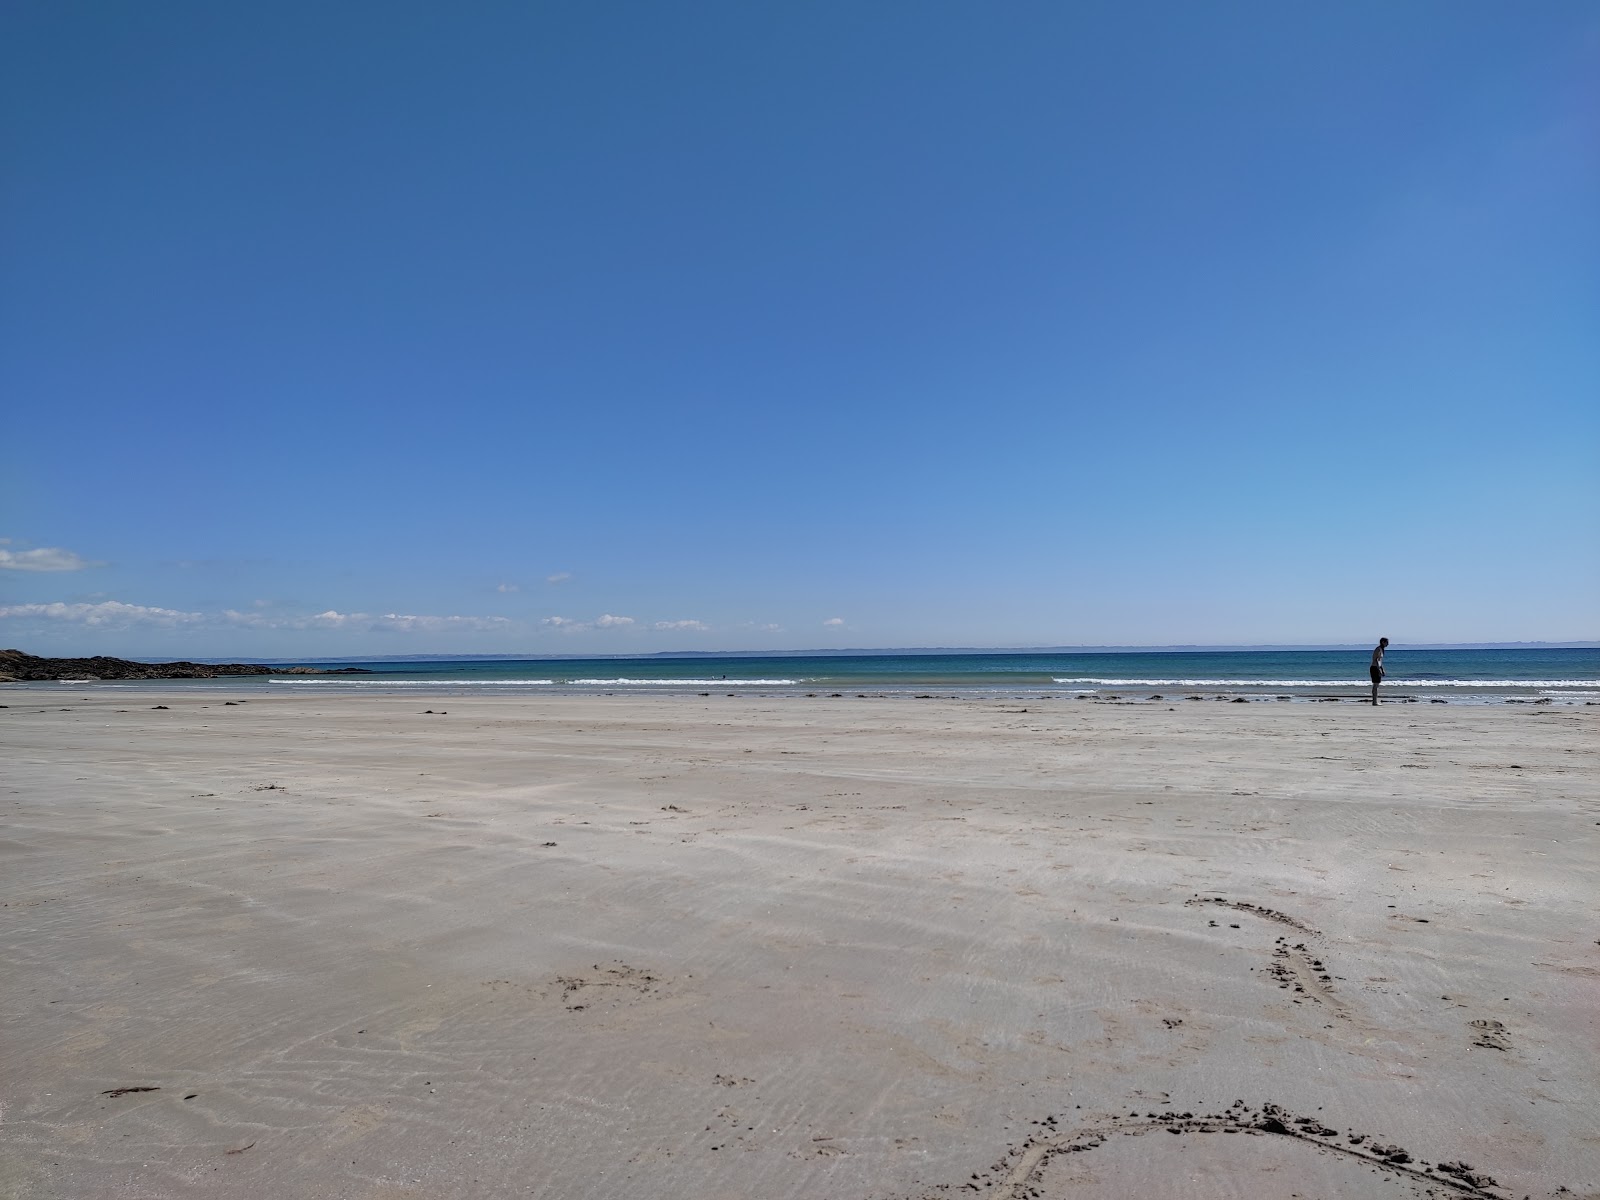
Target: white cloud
x=44, y=558
x=508, y=587
x=607, y=621
x=696, y=626
x=558, y=577
x=112, y=613
x=834, y=621
x=563, y=623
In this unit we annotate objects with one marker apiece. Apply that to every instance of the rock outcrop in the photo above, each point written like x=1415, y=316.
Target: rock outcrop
x=15, y=666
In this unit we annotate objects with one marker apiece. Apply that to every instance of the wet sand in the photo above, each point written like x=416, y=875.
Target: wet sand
x=881, y=948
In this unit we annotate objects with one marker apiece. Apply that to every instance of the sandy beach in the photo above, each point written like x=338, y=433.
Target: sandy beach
x=881, y=948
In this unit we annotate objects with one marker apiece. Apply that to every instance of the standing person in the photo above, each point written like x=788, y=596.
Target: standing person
x=1376, y=670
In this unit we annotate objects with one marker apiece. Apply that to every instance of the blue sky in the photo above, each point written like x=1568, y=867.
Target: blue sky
x=397, y=328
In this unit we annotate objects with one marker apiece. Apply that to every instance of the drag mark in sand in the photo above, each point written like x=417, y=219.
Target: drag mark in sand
x=1256, y=910
x=1296, y=967
x=1293, y=966
x=1023, y=1176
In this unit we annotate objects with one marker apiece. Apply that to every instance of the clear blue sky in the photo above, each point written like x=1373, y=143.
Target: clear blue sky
x=348, y=328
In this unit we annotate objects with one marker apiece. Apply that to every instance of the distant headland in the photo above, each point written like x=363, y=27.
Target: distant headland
x=17, y=667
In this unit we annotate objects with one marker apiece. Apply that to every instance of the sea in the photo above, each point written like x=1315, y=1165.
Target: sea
x=1538, y=675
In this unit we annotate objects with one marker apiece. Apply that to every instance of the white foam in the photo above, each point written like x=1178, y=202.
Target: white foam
x=1501, y=684
x=380, y=681
x=683, y=682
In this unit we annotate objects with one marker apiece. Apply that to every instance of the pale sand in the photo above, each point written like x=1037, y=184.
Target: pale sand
x=792, y=948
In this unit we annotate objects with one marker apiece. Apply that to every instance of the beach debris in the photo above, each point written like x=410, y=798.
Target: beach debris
x=153, y=707
x=124, y=1091
x=240, y=1149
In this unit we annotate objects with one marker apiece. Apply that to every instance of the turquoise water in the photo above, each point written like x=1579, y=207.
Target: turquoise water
x=1560, y=674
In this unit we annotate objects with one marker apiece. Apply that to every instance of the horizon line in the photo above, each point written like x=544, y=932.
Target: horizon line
x=1588, y=644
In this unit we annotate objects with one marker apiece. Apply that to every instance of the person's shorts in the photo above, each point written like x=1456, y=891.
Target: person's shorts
x=1376, y=673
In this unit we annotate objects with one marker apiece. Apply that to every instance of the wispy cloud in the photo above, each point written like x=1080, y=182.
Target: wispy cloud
x=558, y=577
x=834, y=621
x=371, y=622
x=107, y=613
x=263, y=615
x=508, y=587
x=116, y=614
x=604, y=621
x=42, y=558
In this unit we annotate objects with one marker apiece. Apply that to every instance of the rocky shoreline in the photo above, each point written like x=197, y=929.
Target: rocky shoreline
x=17, y=667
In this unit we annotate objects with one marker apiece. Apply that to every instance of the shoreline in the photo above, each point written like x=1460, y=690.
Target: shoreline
x=682, y=946
x=1158, y=692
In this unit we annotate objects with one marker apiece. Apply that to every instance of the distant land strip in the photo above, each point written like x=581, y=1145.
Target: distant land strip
x=17, y=667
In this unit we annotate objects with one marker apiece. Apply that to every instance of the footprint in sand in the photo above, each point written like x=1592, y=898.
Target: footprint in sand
x=613, y=982
x=1491, y=1035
